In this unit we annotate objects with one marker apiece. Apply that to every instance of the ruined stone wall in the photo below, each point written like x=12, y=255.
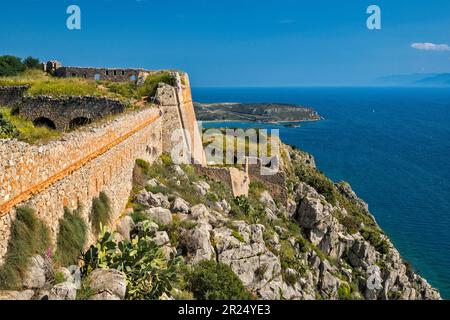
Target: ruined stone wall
x=76, y=168
x=275, y=182
x=111, y=74
x=64, y=111
x=236, y=179
x=9, y=95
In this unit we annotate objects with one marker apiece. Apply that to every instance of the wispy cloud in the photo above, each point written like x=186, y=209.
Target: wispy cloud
x=428, y=46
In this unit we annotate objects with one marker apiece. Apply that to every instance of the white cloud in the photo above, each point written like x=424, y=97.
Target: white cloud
x=428, y=46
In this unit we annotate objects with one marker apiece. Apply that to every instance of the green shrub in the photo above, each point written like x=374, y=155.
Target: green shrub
x=237, y=235
x=151, y=84
x=261, y=271
x=290, y=278
x=59, y=277
x=101, y=212
x=14, y=126
x=32, y=63
x=11, y=66
x=124, y=89
x=241, y=205
x=7, y=129
x=29, y=236
x=138, y=216
x=166, y=159
x=157, y=189
x=374, y=238
x=345, y=292
x=148, y=273
x=209, y=280
x=71, y=238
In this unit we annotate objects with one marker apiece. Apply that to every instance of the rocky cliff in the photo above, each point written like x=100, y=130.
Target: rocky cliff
x=324, y=244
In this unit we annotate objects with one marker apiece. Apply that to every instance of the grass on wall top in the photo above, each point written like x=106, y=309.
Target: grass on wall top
x=15, y=126
x=43, y=84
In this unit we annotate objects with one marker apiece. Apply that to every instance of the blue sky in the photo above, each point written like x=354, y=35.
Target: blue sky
x=237, y=42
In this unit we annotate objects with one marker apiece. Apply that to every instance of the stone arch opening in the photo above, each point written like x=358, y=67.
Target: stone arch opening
x=97, y=77
x=44, y=122
x=78, y=122
x=133, y=78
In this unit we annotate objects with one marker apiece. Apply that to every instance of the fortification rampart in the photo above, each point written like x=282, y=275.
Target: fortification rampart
x=178, y=113
x=75, y=169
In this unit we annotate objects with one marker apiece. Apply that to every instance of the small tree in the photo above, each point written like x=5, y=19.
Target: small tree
x=210, y=280
x=32, y=63
x=10, y=66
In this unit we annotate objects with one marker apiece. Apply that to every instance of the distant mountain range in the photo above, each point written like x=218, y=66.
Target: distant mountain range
x=416, y=79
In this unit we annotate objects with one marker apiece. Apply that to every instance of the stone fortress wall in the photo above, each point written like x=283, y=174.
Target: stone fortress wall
x=75, y=169
x=81, y=164
x=100, y=157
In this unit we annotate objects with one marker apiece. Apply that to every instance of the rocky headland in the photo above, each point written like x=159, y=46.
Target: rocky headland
x=254, y=112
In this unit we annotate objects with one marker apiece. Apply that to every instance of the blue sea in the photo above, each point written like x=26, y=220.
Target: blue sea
x=391, y=144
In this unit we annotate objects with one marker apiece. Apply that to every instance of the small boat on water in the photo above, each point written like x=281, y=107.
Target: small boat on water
x=292, y=125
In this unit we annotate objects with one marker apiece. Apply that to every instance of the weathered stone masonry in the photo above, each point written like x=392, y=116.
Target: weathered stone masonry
x=9, y=95
x=63, y=113
x=76, y=169
x=59, y=113
x=110, y=74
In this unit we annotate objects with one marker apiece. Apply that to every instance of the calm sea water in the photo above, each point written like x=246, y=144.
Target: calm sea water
x=392, y=145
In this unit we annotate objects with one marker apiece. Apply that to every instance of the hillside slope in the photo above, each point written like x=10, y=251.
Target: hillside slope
x=254, y=112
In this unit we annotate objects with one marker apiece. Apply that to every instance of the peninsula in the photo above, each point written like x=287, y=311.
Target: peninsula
x=254, y=112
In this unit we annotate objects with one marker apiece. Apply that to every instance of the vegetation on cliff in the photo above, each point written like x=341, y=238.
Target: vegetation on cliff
x=184, y=236
x=29, y=236
x=15, y=126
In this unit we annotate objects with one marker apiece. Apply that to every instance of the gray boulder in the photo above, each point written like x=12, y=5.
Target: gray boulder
x=16, y=295
x=161, y=238
x=107, y=283
x=159, y=215
x=198, y=243
x=180, y=205
x=124, y=227
x=267, y=200
x=201, y=187
x=34, y=277
x=63, y=291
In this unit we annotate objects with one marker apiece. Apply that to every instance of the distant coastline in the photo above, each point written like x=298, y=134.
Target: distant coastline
x=275, y=113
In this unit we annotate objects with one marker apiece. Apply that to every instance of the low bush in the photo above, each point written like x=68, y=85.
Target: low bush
x=11, y=66
x=100, y=212
x=148, y=273
x=237, y=235
x=29, y=236
x=345, y=292
x=14, y=126
x=209, y=280
x=150, y=85
x=71, y=238
x=7, y=129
